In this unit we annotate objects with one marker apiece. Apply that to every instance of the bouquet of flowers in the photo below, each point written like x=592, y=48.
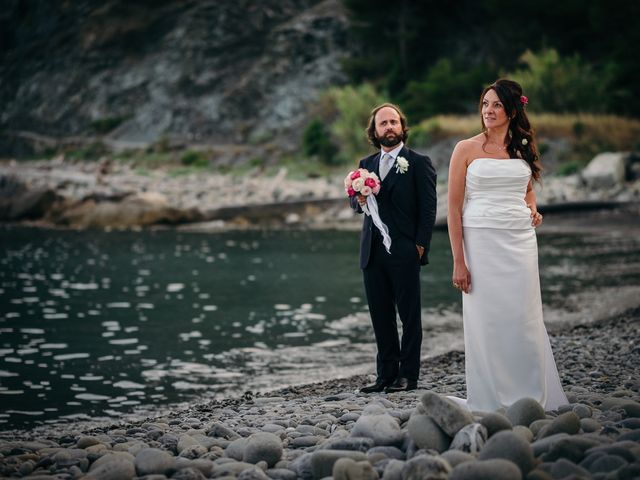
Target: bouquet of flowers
x=363, y=182
x=366, y=183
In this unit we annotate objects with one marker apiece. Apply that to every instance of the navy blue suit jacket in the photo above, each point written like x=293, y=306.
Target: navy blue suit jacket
x=406, y=202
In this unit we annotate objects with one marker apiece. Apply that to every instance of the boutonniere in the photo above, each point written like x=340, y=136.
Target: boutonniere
x=402, y=165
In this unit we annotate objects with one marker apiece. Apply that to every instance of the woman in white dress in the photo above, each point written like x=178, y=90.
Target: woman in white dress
x=492, y=219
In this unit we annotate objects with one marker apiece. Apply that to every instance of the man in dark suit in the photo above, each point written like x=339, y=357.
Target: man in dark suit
x=407, y=206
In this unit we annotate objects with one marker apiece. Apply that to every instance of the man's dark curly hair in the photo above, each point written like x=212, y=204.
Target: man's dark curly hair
x=371, y=128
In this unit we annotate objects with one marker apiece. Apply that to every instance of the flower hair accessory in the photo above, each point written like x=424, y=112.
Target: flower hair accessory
x=524, y=100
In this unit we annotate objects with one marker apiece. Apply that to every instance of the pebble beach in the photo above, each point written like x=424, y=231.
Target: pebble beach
x=330, y=430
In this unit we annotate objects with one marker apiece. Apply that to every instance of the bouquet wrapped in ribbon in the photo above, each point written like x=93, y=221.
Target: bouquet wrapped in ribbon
x=366, y=183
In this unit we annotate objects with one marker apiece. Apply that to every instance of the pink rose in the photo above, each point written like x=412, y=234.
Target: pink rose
x=355, y=175
x=347, y=182
x=524, y=100
x=351, y=192
x=365, y=191
x=370, y=182
x=376, y=189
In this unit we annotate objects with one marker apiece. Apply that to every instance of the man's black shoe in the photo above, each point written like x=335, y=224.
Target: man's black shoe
x=402, y=385
x=379, y=386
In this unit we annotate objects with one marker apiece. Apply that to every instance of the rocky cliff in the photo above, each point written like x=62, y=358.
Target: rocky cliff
x=183, y=71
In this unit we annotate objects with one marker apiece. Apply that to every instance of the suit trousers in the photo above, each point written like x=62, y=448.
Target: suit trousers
x=392, y=281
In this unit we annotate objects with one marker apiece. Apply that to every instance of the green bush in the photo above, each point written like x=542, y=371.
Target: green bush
x=579, y=128
x=570, y=167
x=92, y=151
x=447, y=87
x=353, y=105
x=191, y=158
x=316, y=142
x=427, y=132
x=564, y=84
x=257, y=162
x=107, y=124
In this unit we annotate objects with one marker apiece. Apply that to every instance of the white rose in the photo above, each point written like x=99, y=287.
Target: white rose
x=402, y=164
x=357, y=184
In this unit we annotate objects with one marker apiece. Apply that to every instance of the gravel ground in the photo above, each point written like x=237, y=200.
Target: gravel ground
x=328, y=429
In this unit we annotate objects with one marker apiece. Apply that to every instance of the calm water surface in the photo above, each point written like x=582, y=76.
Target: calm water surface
x=99, y=324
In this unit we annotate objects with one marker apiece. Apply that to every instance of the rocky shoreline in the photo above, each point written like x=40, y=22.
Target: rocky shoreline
x=329, y=430
x=106, y=194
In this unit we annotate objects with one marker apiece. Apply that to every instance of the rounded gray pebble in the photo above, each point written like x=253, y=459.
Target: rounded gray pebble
x=188, y=473
x=116, y=468
x=305, y=442
x=393, y=470
x=193, y=451
x=607, y=463
x=449, y=416
x=456, y=457
x=360, y=444
x=236, y=449
x=426, y=433
x=281, y=474
x=563, y=468
x=253, y=474
x=509, y=446
x=322, y=461
x=495, y=422
x=348, y=469
x=583, y=411
x=426, y=466
x=87, y=441
x=263, y=446
x=153, y=460
x=389, y=452
x=381, y=427
x=565, y=423
x=496, y=469
x=538, y=425
x=589, y=425
x=470, y=438
x=525, y=411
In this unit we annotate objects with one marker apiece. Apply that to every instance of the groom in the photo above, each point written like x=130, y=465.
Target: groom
x=407, y=206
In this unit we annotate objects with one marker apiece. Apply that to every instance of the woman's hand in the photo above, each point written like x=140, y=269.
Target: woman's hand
x=362, y=200
x=536, y=217
x=461, y=277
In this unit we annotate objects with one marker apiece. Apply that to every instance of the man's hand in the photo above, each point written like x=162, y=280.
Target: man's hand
x=420, y=250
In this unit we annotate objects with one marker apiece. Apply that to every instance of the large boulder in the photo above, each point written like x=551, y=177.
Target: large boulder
x=133, y=210
x=17, y=202
x=606, y=170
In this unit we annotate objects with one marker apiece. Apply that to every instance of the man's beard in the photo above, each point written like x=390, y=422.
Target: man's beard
x=390, y=140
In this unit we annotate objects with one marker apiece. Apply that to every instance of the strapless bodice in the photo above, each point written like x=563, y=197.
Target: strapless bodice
x=494, y=194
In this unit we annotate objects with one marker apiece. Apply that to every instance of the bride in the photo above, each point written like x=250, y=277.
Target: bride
x=492, y=219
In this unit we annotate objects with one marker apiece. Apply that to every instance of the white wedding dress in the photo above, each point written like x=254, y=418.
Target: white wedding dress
x=507, y=350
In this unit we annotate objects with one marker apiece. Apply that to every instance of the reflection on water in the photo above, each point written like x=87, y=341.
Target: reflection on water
x=100, y=323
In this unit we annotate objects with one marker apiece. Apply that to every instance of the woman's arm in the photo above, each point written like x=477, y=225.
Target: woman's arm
x=530, y=200
x=457, y=175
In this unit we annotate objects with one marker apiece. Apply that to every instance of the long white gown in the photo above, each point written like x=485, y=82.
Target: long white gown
x=507, y=350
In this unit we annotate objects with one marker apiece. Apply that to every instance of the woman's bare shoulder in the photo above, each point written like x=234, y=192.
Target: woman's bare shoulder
x=469, y=147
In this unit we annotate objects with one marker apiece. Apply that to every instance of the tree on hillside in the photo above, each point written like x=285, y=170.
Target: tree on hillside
x=406, y=45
